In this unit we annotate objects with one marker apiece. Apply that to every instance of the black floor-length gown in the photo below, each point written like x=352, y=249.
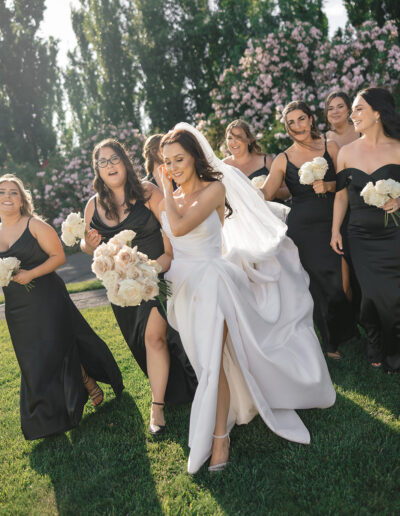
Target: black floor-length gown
x=51, y=340
x=310, y=227
x=132, y=320
x=375, y=252
x=263, y=171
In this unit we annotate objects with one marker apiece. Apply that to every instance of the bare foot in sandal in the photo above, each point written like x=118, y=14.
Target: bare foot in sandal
x=94, y=391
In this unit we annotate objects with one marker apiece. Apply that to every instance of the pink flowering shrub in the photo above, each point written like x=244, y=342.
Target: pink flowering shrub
x=297, y=63
x=66, y=185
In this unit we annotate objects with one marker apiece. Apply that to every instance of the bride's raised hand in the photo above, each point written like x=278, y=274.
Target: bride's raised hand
x=166, y=179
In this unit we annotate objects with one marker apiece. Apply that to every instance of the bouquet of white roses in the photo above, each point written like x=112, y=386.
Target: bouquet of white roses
x=258, y=181
x=379, y=193
x=72, y=229
x=314, y=170
x=128, y=275
x=9, y=267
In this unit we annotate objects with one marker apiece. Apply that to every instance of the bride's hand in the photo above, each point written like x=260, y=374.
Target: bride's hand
x=166, y=180
x=337, y=243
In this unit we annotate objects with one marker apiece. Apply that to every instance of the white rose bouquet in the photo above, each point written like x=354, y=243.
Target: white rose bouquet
x=314, y=170
x=9, y=267
x=72, y=229
x=128, y=275
x=258, y=181
x=379, y=193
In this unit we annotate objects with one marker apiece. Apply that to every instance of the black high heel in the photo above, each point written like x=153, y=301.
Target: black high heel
x=157, y=429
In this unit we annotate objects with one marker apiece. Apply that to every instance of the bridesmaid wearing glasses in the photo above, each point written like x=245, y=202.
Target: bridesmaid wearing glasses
x=374, y=246
x=124, y=202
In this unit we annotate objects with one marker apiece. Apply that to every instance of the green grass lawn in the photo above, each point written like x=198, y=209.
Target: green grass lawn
x=109, y=465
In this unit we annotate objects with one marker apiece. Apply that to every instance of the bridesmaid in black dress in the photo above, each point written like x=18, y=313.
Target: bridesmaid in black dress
x=123, y=202
x=309, y=224
x=153, y=159
x=53, y=343
x=247, y=156
x=374, y=248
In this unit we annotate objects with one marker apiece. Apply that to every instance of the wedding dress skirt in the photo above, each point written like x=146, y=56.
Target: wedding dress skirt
x=272, y=357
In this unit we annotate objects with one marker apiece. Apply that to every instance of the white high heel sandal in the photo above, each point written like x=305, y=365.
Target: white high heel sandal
x=222, y=465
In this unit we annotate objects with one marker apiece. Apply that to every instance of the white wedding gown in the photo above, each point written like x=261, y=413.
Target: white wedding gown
x=272, y=357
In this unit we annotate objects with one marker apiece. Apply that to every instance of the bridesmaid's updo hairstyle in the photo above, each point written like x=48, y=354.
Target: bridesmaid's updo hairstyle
x=334, y=95
x=299, y=104
x=253, y=145
x=27, y=208
x=382, y=100
x=151, y=153
x=133, y=188
x=203, y=169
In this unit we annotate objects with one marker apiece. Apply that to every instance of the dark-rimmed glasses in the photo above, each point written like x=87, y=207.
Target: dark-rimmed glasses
x=114, y=160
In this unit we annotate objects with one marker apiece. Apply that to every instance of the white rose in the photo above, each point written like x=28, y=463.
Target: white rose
x=394, y=189
x=124, y=237
x=130, y=292
x=367, y=192
x=150, y=289
x=147, y=271
x=156, y=266
x=319, y=166
x=73, y=219
x=258, y=181
x=110, y=279
x=68, y=237
x=378, y=200
x=382, y=187
x=131, y=271
x=306, y=176
x=102, y=264
x=12, y=263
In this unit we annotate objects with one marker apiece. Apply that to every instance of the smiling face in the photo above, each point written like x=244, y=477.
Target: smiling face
x=237, y=141
x=337, y=112
x=363, y=116
x=10, y=198
x=298, y=124
x=114, y=172
x=179, y=163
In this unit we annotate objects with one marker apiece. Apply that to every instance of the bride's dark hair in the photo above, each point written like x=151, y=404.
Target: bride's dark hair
x=133, y=188
x=203, y=169
x=382, y=100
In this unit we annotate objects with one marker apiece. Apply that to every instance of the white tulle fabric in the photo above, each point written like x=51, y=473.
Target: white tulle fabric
x=249, y=275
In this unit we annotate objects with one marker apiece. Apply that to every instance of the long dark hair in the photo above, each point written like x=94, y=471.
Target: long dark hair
x=133, y=188
x=151, y=153
x=382, y=100
x=335, y=95
x=253, y=145
x=299, y=104
x=203, y=169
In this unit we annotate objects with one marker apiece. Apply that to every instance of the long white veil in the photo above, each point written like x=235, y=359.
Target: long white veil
x=255, y=230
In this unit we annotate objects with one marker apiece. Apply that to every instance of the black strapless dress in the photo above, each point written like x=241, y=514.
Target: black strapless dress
x=375, y=252
x=51, y=340
x=310, y=227
x=132, y=320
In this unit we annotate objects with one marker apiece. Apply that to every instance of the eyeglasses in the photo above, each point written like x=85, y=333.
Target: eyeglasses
x=114, y=160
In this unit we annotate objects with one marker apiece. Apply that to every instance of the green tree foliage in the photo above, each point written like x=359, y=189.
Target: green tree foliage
x=380, y=11
x=102, y=78
x=29, y=84
x=295, y=11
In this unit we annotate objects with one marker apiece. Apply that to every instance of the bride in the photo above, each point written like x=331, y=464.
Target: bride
x=240, y=302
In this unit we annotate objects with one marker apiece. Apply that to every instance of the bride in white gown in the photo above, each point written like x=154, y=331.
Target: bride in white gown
x=238, y=293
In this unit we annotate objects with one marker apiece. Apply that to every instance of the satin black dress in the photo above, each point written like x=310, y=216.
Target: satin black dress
x=51, y=340
x=375, y=252
x=132, y=320
x=310, y=226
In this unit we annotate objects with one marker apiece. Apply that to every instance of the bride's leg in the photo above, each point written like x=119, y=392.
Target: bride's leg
x=158, y=360
x=220, y=450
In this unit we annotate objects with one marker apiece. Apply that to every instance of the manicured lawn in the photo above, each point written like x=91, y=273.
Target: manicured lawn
x=108, y=465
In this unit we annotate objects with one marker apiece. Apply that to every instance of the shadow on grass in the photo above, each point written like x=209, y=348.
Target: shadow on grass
x=103, y=466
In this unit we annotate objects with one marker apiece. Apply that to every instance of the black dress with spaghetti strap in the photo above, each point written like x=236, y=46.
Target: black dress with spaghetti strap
x=263, y=171
x=51, y=340
x=375, y=252
x=132, y=320
x=310, y=226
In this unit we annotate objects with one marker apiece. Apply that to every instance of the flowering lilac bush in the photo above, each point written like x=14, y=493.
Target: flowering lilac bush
x=65, y=185
x=298, y=63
